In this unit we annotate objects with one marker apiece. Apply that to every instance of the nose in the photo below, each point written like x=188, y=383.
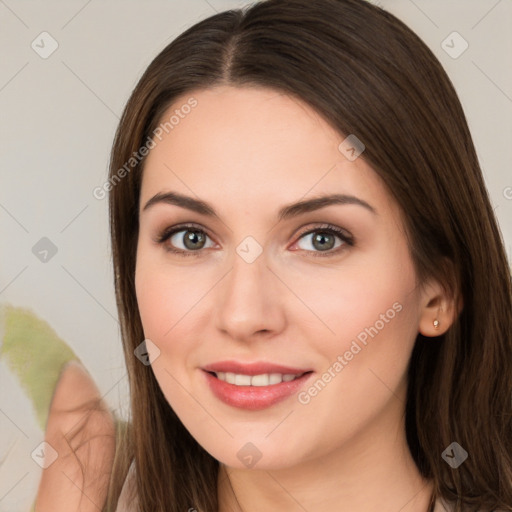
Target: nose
x=249, y=300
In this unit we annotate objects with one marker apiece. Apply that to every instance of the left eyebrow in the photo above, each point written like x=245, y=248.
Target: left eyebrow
x=287, y=212
x=316, y=203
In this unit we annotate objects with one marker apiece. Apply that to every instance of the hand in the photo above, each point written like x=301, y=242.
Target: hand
x=82, y=430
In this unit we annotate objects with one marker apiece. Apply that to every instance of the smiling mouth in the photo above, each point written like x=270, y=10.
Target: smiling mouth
x=264, y=379
x=255, y=392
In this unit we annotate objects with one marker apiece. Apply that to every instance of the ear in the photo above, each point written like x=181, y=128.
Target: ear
x=437, y=304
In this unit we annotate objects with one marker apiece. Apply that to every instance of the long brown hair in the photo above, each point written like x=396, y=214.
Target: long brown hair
x=367, y=74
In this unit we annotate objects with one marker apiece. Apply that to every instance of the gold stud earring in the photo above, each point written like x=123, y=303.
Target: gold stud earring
x=436, y=324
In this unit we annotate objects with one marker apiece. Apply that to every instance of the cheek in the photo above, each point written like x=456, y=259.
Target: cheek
x=366, y=299
x=374, y=320
x=157, y=299
x=164, y=295
x=369, y=319
x=160, y=301
x=153, y=302
x=173, y=309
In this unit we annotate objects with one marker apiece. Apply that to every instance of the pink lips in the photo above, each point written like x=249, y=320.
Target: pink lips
x=253, y=398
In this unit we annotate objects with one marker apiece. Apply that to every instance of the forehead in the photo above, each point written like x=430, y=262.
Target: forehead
x=251, y=146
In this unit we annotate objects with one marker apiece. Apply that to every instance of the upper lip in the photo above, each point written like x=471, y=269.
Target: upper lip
x=255, y=368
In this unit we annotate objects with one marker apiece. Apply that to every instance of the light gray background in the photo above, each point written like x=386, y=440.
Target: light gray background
x=58, y=117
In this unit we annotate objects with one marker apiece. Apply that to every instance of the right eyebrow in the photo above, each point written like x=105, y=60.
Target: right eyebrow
x=190, y=203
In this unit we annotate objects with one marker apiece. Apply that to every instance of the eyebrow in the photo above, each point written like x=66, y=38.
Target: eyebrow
x=286, y=212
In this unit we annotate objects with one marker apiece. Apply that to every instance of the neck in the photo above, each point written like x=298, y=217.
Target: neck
x=373, y=470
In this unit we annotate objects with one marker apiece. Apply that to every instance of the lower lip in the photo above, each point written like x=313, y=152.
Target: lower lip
x=253, y=398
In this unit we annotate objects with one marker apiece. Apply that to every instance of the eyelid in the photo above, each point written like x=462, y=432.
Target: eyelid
x=169, y=231
x=342, y=233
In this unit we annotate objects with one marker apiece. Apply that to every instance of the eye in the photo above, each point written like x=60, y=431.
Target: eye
x=189, y=240
x=322, y=239
x=184, y=240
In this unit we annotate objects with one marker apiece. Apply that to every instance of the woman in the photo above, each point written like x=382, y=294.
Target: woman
x=313, y=291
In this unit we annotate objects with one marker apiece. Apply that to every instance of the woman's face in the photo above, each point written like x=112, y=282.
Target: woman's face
x=248, y=286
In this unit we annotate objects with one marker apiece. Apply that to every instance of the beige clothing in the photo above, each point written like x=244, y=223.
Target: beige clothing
x=128, y=502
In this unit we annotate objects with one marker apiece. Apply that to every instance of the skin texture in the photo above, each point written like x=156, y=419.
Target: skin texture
x=248, y=152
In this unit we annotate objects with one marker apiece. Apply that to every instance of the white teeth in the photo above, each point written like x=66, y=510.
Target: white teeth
x=266, y=379
x=260, y=380
x=275, y=378
x=242, y=380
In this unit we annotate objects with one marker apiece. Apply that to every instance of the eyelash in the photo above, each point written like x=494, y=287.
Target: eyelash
x=325, y=228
